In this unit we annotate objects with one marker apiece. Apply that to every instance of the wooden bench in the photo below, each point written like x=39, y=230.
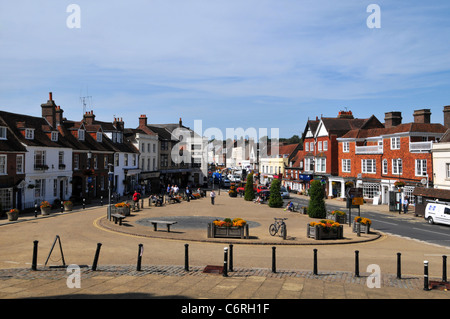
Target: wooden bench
x=117, y=218
x=156, y=222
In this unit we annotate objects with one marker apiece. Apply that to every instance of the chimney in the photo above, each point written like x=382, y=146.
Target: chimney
x=422, y=116
x=180, y=123
x=392, y=119
x=59, y=115
x=48, y=111
x=345, y=115
x=447, y=116
x=119, y=124
x=142, y=120
x=89, y=117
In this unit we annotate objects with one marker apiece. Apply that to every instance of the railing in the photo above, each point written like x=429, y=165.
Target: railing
x=420, y=146
x=370, y=149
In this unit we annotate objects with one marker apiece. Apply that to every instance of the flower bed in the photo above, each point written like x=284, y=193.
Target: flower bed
x=325, y=229
x=364, y=224
x=337, y=216
x=236, y=228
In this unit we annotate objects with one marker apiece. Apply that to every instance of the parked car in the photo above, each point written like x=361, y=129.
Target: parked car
x=284, y=193
x=437, y=213
x=226, y=183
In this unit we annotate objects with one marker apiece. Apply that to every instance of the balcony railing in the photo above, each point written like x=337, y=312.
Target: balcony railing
x=420, y=146
x=370, y=149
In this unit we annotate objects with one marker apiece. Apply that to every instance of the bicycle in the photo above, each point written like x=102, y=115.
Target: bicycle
x=278, y=225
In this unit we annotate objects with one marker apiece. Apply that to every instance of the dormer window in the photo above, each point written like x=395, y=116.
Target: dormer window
x=99, y=137
x=54, y=136
x=29, y=133
x=81, y=135
x=2, y=133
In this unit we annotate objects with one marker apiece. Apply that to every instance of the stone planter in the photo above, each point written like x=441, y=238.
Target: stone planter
x=46, y=210
x=123, y=210
x=68, y=207
x=318, y=232
x=228, y=232
x=365, y=229
x=341, y=219
x=12, y=216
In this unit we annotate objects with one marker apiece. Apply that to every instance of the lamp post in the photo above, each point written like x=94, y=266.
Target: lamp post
x=110, y=178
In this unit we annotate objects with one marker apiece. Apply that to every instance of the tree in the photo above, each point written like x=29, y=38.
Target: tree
x=316, y=207
x=249, y=191
x=275, y=199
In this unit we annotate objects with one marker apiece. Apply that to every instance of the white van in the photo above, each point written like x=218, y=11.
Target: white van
x=437, y=213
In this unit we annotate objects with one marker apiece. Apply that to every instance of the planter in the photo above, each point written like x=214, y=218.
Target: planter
x=124, y=210
x=12, y=216
x=341, y=219
x=46, y=210
x=68, y=207
x=365, y=229
x=228, y=232
x=318, y=232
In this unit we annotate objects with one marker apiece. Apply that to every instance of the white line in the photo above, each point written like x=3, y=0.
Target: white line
x=380, y=221
x=432, y=232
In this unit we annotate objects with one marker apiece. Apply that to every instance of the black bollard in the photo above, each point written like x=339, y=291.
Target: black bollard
x=274, y=263
x=315, y=262
x=101, y=200
x=356, y=263
x=84, y=203
x=139, y=259
x=35, y=251
x=35, y=210
x=186, y=257
x=399, y=266
x=444, y=268
x=425, y=276
x=97, y=253
x=230, y=266
x=225, y=259
x=62, y=207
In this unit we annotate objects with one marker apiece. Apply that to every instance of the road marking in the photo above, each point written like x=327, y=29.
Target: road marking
x=430, y=231
x=380, y=221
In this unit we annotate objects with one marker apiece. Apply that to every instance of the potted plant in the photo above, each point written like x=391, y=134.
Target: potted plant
x=232, y=192
x=364, y=224
x=121, y=208
x=68, y=205
x=228, y=228
x=325, y=229
x=45, y=208
x=399, y=184
x=338, y=216
x=13, y=214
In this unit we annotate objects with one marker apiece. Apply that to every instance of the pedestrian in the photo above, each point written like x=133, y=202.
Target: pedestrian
x=136, y=197
x=405, y=205
x=188, y=194
x=213, y=195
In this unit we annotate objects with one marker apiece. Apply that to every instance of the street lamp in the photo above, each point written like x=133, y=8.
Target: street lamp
x=110, y=178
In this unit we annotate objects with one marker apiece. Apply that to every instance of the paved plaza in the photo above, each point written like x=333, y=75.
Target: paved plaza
x=163, y=257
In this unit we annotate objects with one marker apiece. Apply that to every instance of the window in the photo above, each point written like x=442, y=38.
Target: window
x=39, y=159
x=321, y=164
x=307, y=147
x=2, y=133
x=164, y=145
x=385, y=166
x=125, y=160
x=421, y=167
x=39, y=189
x=346, y=166
x=134, y=159
x=76, y=161
x=29, y=133
x=61, y=160
x=116, y=159
x=105, y=161
x=154, y=163
x=164, y=160
x=3, y=167
x=309, y=164
x=447, y=169
x=19, y=164
x=325, y=145
x=397, y=166
x=81, y=135
x=54, y=137
x=95, y=161
x=319, y=146
x=395, y=143
x=369, y=166
x=346, y=147
x=99, y=137
x=370, y=190
x=55, y=187
x=6, y=198
x=311, y=146
x=154, y=148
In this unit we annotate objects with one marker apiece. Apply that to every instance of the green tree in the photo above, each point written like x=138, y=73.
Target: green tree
x=249, y=191
x=275, y=199
x=316, y=207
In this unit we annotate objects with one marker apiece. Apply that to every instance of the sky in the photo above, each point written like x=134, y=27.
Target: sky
x=231, y=64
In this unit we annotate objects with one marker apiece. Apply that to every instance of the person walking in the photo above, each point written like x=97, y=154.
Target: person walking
x=188, y=194
x=213, y=196
x=405, y=205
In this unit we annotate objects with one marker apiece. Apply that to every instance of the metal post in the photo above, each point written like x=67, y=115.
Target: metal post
x=35, y=210
x=97, y=253
x=225, y=259
x=444, y=268
x=283, y=231
x=358, y=229
x=230, y=266
x=139, y=260
x=274, y=268
x=315, y=261
x=186, y=257
x=425, y=276
x=62, y=207
x=35, y=251
x=356, y=263
x=399, y=266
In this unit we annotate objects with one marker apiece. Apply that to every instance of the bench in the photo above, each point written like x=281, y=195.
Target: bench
x=117, y=218
x=161, y=222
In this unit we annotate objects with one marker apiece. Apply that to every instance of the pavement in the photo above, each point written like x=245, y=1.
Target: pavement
x=263, y=267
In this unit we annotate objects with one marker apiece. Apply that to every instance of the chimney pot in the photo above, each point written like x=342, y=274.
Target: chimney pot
x=50, y=96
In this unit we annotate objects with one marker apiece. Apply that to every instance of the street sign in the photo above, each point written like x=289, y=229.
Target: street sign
x=357, y=201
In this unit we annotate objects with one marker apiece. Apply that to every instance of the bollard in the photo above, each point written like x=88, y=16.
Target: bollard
x=425, y=276
x=139, y=260
x=35, y=210
x=225, y=258
x=186, y=257
x=142, y=204
x=62, y=207
x=101, y=200
x=84, y=203
x=230, y=266
x=97, y=253
x=358, y=229
x=274, y=268
x=35, y=251
x=356, y=263
x=284, y=231
x=444, y=268
x=399, y=266
x=315, y=262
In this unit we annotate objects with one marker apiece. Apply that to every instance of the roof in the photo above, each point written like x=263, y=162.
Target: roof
x=340, y=126
x=432, y=192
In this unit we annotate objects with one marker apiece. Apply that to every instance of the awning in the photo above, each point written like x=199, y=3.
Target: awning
x=304, y=177
x=130, y=172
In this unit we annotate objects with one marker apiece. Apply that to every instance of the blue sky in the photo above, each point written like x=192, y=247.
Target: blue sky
x=248, y=63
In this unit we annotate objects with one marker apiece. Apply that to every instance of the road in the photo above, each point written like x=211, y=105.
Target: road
x=410, y=227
